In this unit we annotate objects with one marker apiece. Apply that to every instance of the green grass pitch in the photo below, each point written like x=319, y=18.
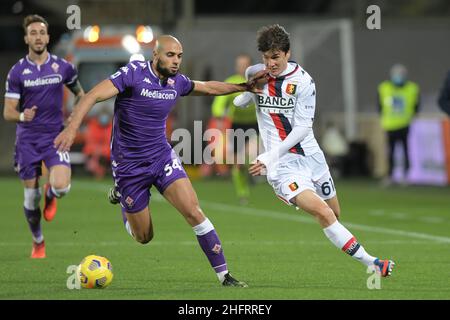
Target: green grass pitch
x=280, y=252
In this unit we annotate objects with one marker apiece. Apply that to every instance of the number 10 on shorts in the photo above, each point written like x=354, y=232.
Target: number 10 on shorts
x=64, y=157
x=170, y=167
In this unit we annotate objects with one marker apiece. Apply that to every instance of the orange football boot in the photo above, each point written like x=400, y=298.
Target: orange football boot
x=49, y=205
x=38, y=251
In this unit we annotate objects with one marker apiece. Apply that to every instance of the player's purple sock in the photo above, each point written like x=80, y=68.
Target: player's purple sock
x=211, y=246
x=34, y=222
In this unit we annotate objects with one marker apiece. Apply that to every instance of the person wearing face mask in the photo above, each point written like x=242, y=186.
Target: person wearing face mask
x=96, y=148
x=398, y=103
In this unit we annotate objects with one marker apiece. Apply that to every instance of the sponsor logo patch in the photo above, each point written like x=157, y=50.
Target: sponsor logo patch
x=46, y=80
x=129, y=201
x=291, y=88
x=293, y=186
x=159, y=94
x=217, y=248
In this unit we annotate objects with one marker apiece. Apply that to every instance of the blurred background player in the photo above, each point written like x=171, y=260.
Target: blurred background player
x=141, y=156
x=295, y=165
x=96, y=147
x=33, y=99
x=398, y=103
x=444, y=96
x=223, y=110
x=336, y=149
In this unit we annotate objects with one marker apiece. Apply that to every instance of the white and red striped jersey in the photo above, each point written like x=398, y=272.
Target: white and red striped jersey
x=287, y=101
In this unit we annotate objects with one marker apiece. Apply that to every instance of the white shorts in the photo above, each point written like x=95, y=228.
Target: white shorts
x=297, y=175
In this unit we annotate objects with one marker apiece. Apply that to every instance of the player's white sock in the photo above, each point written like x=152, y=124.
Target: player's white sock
x=38, y=239
x=221, y=275
x=344, y=240
x=128, y=228
x=58, y=193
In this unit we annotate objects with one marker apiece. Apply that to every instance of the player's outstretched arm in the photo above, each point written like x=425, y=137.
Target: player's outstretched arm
x=102, y=91
x=217, y=88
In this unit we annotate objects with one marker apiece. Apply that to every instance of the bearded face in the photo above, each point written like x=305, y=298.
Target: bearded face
x=37, y=37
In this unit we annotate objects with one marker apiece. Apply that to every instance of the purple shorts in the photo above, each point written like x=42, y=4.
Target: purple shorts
x=133, y=179
x=29, y=155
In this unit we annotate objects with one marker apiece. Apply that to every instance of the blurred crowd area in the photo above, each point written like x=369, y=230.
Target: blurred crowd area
x=330, y=39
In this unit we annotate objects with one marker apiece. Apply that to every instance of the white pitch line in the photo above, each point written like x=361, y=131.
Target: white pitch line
x=130, y=242
x=283, y=216
x=289, y=217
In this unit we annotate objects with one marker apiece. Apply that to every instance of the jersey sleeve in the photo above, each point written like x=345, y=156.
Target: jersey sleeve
x=124, y=77
x=186, y=85
x=252, y=70
x=13, y=87
x=306, y=105
x=71, y=75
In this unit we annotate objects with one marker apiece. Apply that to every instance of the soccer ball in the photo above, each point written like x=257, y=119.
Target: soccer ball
x=95, y=272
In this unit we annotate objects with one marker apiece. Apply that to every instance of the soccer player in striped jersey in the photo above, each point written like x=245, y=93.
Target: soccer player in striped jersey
x=293, y=161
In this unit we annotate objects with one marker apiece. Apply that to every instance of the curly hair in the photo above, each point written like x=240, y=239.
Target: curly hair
x=32, y=18
x=273, y=37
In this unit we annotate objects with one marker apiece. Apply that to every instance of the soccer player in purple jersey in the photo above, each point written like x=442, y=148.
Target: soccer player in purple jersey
x=33, y=99
x=140, y=154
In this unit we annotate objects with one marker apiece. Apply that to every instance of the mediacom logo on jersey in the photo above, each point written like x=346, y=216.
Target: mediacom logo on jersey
x=162, y=94
x=47, y=80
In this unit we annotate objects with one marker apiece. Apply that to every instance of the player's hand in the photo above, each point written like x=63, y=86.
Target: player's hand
x=69, y=118
x=257, y=169
x=29, y=113
x=256, y=83
x=65, y=139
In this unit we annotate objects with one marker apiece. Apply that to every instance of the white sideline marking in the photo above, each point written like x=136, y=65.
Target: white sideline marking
x=225, y=242
x=404, y=216
x=354, y=226
x=432, y=219
x=280, y=215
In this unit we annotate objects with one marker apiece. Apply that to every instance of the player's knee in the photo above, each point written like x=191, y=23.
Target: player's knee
x=325, y=213
x=194, y=215
x=144, y=237
x=32, y=197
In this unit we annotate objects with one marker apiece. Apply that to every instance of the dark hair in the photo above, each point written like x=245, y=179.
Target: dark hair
x=32, y=18
x=273, y=37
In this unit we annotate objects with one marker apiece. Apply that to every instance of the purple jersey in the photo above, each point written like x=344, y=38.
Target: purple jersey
x=141, y=110
x=41, y=86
